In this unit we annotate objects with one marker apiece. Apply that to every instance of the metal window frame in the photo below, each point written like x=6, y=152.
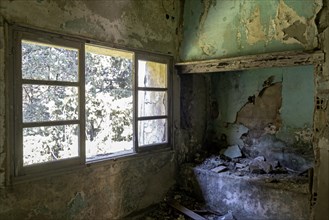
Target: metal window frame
x=14, y=80
x=168, y=89
x=114, y=155
x=18, y=82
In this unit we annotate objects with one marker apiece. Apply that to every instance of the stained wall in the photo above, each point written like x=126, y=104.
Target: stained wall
x=265, y=110
x=214, y=28
x=218, y=29
x=106, y=190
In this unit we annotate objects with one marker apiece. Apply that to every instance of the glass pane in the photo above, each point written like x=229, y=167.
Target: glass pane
x=109, y=102
x=152, y=103
x=50, y=143
x=49, y=62
x=49, y=103
x=152, y=74
x=152, y=132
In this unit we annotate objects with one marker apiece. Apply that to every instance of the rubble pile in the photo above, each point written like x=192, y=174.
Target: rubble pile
x=164, y=211
x=232, y=160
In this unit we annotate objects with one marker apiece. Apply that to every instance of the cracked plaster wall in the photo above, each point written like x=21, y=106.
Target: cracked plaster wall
x=137, y=24
x=233, y=89
x=215, y=28
x=274, y=101
x=107, y=190
x=320, y=198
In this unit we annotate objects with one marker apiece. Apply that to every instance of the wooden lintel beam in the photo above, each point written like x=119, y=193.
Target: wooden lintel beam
x=279, y=59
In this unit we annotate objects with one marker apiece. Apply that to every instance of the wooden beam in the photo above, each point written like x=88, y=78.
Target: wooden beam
x=279, y=59
x=185, y=211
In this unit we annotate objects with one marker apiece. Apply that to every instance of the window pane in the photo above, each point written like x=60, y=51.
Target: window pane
x=152, y=132
x=49, y=103
x=152, y=103
x=49, y=62
x=109, y=102
x=49, y=143
x=152, y=74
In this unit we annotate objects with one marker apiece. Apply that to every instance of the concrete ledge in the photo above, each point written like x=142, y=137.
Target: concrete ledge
x=250, y=197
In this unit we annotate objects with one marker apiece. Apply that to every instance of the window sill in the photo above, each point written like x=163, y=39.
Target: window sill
x=126, y=157
x=89, y=164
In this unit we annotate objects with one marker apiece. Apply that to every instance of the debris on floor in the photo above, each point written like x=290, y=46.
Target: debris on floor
x=228, y=216
x=178, y=205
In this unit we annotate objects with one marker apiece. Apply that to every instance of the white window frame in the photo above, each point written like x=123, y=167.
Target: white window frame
x=15, y=82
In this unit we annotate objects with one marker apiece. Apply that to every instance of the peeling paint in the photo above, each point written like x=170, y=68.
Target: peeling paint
x=284, y=19
x=297, y=31
x=114, y=22
x=235, y=28
x=264, y=111
x=264, y=107
x=254, y=28
x=108, y=189
x=304, y=135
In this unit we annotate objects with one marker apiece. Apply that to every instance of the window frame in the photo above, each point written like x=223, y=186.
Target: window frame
x=168, y=116
x=15, y=84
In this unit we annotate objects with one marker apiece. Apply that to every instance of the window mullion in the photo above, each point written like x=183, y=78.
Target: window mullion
x=152, y=89
x=82, y=104
x=135, y=121
x=152, y=117
x=18, y=140
x=49, y=82
x=49, y=123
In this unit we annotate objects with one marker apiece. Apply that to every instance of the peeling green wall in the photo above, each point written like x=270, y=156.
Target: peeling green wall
x=298, y=96
x=216, y=28
x=230, y=28
x=232, y=89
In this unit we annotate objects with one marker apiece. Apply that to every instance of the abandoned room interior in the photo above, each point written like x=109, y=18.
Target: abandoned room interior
x=164, y=109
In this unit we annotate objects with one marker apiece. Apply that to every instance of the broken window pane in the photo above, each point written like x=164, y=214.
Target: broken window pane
x=49, y=103
x=49, y=143
x=152, y=103
x=152, y=132
x=49, y=62
x=109, y=101
x=152, y=74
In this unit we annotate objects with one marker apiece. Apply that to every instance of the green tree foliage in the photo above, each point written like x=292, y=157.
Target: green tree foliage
x=108, y=103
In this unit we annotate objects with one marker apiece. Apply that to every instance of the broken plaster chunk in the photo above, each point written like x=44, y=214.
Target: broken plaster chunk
x=219, y=169
x=228, y=216
x=240, y=165
x=233, y=151
x=259, y=165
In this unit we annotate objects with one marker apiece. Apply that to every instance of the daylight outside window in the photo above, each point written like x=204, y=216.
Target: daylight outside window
x=109, y=101
x=46, y=100
x=78, y=103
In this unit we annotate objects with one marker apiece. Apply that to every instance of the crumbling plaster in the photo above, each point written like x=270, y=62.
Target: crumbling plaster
x=108, y=191
x=214, y=28
x=235, y=28
x=249, y=197
x=136, y=24
x=285, y=102
x=250, y=102
x=320, y=198
x=105, y=190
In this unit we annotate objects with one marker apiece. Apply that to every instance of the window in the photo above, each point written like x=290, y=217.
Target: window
x=78, y=102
